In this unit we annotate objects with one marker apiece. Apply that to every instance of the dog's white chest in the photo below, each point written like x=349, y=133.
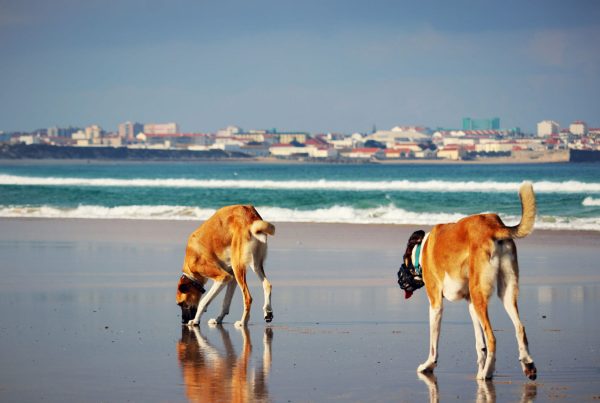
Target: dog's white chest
x=455, y=289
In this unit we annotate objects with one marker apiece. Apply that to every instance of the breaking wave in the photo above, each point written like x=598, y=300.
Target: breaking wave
x=590, y=201
x=322, y=184
x=336, y=214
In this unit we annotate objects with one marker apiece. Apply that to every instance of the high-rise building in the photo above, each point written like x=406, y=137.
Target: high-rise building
x=547, y=128
x=62, y=131
x=93, y=132
x=578, y=128
x=481, y=124
x=128, y=130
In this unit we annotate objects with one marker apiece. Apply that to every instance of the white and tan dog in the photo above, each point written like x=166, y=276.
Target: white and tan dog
x=221, y=249
x=465, y=260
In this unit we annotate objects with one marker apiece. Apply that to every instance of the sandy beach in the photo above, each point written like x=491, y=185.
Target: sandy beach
x=88, y=314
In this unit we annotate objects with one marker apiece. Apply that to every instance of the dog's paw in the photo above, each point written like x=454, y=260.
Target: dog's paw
x=530, y=370
x=483, y=376
x=426, y=367
x=268, y=317
x=193, y=322
x=214, y=322
x=240, y=324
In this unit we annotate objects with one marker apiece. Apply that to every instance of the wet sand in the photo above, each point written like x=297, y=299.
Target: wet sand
x=88, y=314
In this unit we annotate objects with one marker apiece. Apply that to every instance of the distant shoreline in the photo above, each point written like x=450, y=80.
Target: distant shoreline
x=550, y=158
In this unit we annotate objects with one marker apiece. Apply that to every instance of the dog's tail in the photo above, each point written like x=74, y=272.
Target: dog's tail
x=260, y=229
x=528, y=209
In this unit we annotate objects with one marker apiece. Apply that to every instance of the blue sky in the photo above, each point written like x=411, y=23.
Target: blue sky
x=307, y=65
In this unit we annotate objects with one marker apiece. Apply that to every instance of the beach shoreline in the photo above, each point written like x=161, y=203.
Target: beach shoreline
x=94, y=299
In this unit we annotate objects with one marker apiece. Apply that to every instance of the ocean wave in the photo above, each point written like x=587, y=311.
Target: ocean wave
x=320, y=184
x=590, y=201
x=336, y=214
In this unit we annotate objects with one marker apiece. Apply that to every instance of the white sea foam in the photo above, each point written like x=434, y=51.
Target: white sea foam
x=590, y=201
x=336, y=214
x=321, y=184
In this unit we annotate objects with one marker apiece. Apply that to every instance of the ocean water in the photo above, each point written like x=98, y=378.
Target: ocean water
x=568, y=195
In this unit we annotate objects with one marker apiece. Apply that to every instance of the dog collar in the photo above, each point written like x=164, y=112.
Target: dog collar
x=194, y=281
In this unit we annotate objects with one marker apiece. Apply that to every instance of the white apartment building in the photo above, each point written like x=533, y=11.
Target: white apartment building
x=547, y=128
x=93, y=132
x=578, y=128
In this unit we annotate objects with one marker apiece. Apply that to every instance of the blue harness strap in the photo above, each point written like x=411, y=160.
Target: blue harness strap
x=417, y=263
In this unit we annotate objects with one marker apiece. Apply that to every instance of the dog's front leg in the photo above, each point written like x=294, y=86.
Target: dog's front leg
x=226, y=304
x=435, y=321
x=206, y=299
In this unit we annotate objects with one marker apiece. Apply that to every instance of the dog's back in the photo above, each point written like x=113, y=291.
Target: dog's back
x=214, y=238
x=480, y=230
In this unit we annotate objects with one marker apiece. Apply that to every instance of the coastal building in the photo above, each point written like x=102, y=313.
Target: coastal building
x=547, y=128
x=28, y=139
x=291, y=137
x=452, y=152
x=309, y=151
x=177, y=140
x=94, y=134
x=128, y=130
x=578, y=128
x=161, y=128
x=398, y=153
x=61, y=131
x=112, y=140
x=229, y=131
x=399, y=136
x=342, y=142
x=364, y=153
x=481, y=124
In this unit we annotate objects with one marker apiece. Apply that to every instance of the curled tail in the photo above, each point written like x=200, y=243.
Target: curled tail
x=528, y=210
x=260, y=229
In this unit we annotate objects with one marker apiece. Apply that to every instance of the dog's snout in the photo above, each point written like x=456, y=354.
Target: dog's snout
x=187, y=313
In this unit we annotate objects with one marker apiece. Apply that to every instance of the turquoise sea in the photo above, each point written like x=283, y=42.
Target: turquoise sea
x=568, y=195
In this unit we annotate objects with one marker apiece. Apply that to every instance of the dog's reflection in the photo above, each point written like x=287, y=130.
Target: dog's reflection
x=486, y=390
x=210, y=375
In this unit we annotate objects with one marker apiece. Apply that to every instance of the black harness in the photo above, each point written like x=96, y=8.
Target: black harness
x=407, y=280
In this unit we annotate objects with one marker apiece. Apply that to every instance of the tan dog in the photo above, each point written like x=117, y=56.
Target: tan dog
x=466, y=260
x=221, y=249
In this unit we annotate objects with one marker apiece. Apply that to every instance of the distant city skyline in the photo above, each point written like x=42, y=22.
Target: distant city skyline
x=335, y=66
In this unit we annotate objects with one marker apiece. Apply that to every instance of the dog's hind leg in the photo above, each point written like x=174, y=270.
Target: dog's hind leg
x=435, y=320
x=479, y=338
x=226, y=304
x=483, y=272
x=508, y=291
x=258, y=267
x=240, y=276
x=205, y=301
x=480, y=305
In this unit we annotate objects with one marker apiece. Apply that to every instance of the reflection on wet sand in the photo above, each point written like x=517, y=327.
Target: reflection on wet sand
x=213, y=376
x=486, y=390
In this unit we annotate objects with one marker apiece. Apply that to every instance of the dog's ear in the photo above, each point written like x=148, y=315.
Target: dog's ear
x=184, y=285
x=414, y=239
